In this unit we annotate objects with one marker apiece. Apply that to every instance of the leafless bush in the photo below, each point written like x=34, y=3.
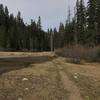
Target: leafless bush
x=77, y=53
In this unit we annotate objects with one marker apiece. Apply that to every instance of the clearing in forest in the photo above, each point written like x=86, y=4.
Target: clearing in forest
x=45, y=76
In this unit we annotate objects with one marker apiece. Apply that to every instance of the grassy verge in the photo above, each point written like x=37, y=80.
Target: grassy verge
x=37, y=87
x=59, y=91
x=89, y=87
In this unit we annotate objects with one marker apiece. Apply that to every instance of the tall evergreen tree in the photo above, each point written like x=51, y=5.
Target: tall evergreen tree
x=61, y=35
x=2, y=26
x=91, y=22
x=39, y=23
x=98, y=20
x=91, y=14
x=98, y=13
x=82, y=21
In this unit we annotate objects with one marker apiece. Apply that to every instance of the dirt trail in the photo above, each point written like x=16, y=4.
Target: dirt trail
x=67, y=83
x=71, y=87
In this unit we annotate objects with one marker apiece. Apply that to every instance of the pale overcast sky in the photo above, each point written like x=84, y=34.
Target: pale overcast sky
x=52, y=12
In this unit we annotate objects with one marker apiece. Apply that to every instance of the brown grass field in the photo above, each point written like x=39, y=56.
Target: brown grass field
x=45, y=76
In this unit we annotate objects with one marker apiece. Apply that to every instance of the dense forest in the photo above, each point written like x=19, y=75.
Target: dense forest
x=17, y=35
x=83, y=28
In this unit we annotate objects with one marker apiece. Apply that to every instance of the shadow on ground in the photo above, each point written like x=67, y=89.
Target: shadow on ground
x=15, y=63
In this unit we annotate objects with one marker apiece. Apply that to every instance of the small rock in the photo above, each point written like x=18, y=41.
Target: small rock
x=95, y=80
x=75, y=77
x=87, y=97
x=76, y=73
x=26, y=88
x=25, y=79
x=20, y=99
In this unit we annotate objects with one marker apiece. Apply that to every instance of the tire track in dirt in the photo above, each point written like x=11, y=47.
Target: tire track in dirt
x=70, y=86
x=67, y=83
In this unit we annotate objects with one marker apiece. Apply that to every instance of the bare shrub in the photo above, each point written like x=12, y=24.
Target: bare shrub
x=77, y=53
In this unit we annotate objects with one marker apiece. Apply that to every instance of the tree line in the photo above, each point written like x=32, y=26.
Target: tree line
x=83, y=29
x=17, y=35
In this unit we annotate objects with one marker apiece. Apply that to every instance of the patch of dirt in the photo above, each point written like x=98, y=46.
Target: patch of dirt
x=37, y=81
x=71, y=87
x=86, y=77
x=87, y=69
x=44, y=76
x=92, y=70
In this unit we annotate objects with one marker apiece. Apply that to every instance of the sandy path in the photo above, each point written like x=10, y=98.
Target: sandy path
x=67, y=83
x=71, y=87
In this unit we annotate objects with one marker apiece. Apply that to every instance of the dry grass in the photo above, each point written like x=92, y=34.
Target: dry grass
x=86, y=77
x=43, y=79
x=89, y=86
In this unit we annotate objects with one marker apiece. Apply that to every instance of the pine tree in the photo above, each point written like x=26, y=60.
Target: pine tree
x=61, y=35
x=55, y=38
x=2, y=27
x=77, y=16
x=91, y=14
x=98, y=20
x=98, y=13
x=6, y=27
x=39, y=23
x=82, y=21
x=91, y=22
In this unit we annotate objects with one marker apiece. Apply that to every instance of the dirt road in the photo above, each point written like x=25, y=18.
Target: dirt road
x=44, y=76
